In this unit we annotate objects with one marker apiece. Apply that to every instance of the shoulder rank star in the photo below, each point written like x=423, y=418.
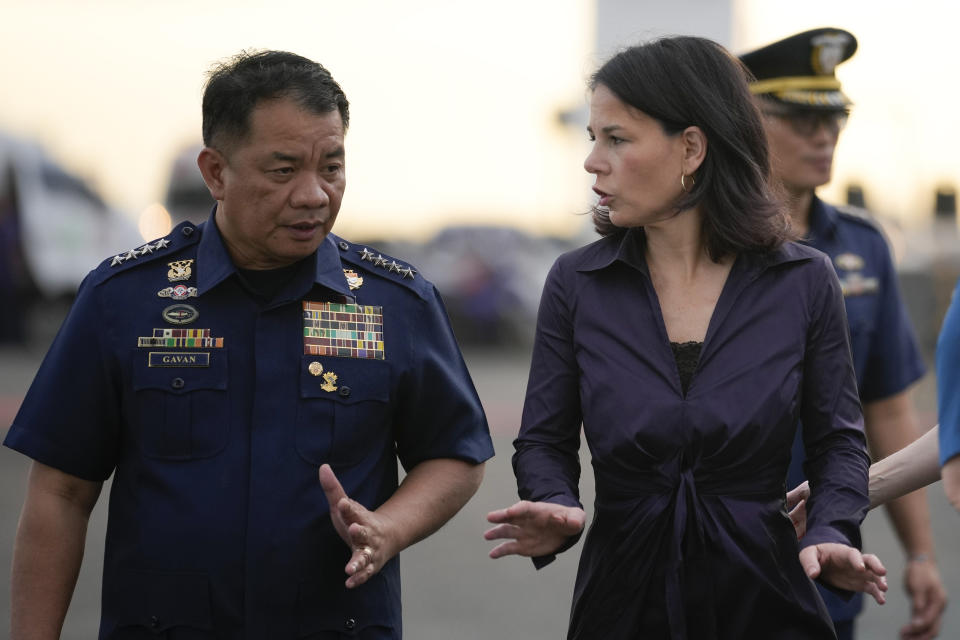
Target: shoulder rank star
x=179, y=270
x=353, y=280
x=133, y=254
x=392, y=266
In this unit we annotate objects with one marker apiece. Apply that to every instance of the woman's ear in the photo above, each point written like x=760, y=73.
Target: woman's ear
x=212, y=165
x=694, y=149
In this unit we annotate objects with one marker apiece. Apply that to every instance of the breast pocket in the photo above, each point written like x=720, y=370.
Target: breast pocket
x=181, y=413
x=344, y=410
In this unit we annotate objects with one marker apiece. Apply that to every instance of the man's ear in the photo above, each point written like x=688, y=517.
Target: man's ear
x=694, y=149
x=212, y=165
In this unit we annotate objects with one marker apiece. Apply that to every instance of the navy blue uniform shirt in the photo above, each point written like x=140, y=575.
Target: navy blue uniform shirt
x=690, y=537
x=213, y=419
x=886, y=357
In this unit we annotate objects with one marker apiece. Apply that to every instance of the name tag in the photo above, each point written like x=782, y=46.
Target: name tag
x=171, y=359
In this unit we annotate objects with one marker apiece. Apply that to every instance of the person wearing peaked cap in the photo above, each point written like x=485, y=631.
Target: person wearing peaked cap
x=804, y=109
x=252, y=384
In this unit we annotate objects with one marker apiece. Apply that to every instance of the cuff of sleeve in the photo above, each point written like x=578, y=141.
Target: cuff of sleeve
x=822, y=534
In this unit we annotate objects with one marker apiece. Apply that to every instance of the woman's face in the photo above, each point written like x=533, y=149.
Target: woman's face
x=636, y=164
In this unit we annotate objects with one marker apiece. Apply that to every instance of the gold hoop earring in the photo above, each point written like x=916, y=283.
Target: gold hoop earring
x=683, y=184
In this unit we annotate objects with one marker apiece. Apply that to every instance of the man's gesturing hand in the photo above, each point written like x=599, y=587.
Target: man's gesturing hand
x=365, y=532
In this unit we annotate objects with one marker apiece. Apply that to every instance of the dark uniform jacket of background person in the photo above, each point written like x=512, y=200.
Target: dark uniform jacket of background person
x=885, y=353
x=214, y=431
x=690, y=538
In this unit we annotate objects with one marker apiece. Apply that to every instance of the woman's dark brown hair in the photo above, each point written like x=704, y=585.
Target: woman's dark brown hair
x=688, y=81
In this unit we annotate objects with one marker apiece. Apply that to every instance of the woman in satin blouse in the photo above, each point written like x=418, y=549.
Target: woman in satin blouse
x=688, y=341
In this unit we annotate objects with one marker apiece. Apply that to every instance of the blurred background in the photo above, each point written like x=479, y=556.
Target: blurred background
x=465, y=157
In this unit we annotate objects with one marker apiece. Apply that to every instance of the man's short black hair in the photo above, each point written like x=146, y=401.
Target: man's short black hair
x=237, y=86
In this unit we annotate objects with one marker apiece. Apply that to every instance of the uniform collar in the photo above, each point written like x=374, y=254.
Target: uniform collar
x=822, y=221
x=214, y=264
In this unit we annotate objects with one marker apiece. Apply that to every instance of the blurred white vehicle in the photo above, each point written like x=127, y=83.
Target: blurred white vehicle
x=64, y=228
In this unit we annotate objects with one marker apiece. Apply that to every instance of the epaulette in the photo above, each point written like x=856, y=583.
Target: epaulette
x=859, y=214
x=377, y=263
x=182, y=236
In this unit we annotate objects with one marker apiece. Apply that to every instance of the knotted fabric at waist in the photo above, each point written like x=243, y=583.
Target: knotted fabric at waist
x=684, y=548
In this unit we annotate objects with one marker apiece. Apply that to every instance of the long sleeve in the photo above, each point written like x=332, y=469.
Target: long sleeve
x=837, y=461
x=546, y=461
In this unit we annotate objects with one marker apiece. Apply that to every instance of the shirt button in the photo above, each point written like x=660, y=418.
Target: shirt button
x=187, y=231
x=154, y=621
x=344, y=246
x=177, y=383
x=350, y=623
x=344, y=391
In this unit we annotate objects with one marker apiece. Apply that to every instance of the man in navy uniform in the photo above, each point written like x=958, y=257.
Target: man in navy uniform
x=250, y=383
x=804, y=110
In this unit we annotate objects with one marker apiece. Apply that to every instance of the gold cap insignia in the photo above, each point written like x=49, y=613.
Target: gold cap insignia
x=827, y=51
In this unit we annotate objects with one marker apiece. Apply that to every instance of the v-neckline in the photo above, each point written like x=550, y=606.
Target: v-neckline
x=737, y=278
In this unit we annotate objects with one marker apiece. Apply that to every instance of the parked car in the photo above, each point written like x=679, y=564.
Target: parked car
x=490, y=278
x=53, y=230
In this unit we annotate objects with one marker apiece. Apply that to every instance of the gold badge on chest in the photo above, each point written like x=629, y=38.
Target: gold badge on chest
x=180, y=270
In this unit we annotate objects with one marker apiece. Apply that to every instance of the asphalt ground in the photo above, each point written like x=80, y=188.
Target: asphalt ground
x=451, y=589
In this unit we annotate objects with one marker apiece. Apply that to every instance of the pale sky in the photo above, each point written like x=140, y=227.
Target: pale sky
x=453, y=104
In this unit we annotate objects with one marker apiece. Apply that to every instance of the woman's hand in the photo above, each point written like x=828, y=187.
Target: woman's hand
x=845, y=568
x=533, y=528
x=797, y=506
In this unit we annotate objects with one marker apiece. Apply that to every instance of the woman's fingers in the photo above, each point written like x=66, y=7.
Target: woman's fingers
x=799, y=493
x=509, y=514
x=873, y=563
x=510, y=547
x=502, y=531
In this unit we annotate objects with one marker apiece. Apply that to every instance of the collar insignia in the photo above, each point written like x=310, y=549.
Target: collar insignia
x=179, y=270
x=353, y=280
